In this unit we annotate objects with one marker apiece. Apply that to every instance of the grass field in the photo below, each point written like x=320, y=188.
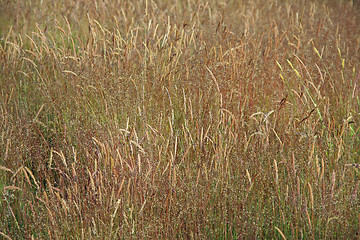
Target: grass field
x=179, y=119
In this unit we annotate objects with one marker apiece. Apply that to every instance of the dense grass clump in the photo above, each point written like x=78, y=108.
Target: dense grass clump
x=179, y=119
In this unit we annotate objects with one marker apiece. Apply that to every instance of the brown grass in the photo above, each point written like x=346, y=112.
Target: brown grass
x=174, y=119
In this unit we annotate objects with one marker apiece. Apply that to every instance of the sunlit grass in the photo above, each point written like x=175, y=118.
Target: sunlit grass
x=190, y=120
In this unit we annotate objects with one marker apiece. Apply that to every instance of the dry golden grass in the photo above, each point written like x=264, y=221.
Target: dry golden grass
x=173, y=119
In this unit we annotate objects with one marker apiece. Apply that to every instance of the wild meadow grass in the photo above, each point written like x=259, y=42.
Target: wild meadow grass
x=179, y=119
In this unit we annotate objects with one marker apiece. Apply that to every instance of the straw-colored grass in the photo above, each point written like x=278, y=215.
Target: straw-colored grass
x=179, y=119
